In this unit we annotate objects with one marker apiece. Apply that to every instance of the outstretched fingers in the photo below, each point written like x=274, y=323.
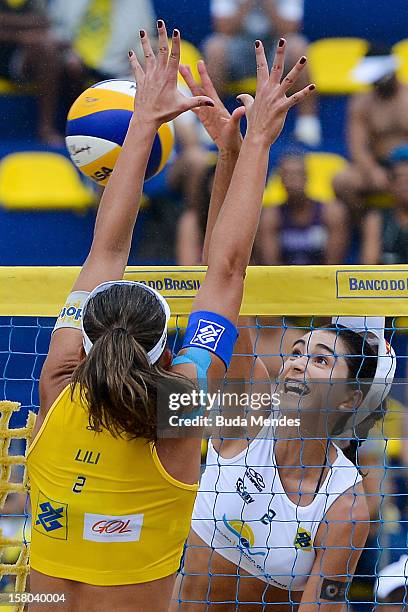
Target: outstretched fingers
x=187, y=75
x=278, y=62
x=237, y=115
x=163, y=53
x=136, y=68
x=293, y=75
x=206, y=81
x=262, y=70
x=150, y=60
x=197, y=102
x=247, y=100
x=174, y=59
x=300, y=95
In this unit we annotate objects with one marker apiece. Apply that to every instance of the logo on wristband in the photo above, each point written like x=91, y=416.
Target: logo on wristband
x=207, y=334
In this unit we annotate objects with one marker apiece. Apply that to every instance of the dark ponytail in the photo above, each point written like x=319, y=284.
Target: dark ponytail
x=117, y=383
x=362, y=365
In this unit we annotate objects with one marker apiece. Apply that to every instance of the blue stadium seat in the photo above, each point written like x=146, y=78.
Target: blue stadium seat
x=192, y=17
x=375, y=20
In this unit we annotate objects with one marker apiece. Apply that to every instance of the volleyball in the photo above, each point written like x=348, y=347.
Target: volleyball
x=97, y=124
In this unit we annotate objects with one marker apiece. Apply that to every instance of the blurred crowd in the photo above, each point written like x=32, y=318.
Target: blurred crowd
x=60, y=47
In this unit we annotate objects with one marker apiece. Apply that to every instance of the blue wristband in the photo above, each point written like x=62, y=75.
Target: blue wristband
x=211, y=332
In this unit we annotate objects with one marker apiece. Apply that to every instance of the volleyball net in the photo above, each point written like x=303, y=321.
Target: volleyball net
x=280, y=305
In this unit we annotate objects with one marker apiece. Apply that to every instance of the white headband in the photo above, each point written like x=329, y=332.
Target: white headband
x=156, y=352
x=373, y=68
x=372, y=329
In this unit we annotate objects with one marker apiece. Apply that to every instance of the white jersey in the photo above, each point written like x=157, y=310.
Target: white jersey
x=243, y=512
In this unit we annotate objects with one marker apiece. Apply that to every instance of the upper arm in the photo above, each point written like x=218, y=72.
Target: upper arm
x=64, y=352
x=358, y=126
x=339, y=542
x=371, y=240
x=63, y=357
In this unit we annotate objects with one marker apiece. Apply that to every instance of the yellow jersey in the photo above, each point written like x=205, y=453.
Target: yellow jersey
x=104, y=509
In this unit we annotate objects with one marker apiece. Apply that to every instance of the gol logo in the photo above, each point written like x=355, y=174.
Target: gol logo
x=111, y=527
x=103, y=528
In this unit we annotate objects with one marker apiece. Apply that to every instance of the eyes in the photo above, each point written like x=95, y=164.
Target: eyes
x=317, y=359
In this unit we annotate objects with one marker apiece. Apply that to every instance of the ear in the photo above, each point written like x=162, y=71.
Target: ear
x=352, y=401
x=166, y=359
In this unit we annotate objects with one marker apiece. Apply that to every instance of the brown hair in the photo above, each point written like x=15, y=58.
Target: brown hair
x=116, y=380
x=362, y=365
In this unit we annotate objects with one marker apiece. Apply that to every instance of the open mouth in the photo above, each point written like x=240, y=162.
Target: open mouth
x=297, y=387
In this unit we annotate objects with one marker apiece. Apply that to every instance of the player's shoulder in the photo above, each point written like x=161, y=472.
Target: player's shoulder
x=350, y=506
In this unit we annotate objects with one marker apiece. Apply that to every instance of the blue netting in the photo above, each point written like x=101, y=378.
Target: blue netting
x=260, y=525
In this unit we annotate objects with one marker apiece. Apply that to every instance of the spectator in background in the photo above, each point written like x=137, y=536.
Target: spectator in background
x=377, y=123
x=95, y=36
x=391, y=587
x=301, y=231
x=385, y=232
x=237, y=24
x=28, y=53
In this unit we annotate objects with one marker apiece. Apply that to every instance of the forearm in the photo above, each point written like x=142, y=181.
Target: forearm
x=235, y=229
x=121, y=199
x=222, y=179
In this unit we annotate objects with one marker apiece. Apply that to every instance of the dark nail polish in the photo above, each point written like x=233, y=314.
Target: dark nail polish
x=257, y=44
x=281, y=42
x=312, y=87
x=302, y=60
x=142, y=33
x=209, y=104
x=160, y=23
x=130, y=53
x=176, y=33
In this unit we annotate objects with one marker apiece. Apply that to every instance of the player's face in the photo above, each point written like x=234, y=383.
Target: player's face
x=315, y=376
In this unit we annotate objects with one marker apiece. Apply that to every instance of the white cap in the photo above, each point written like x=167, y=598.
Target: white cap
x=373, y=68
x=156, y=352
x=372, y=329
x=391, y=578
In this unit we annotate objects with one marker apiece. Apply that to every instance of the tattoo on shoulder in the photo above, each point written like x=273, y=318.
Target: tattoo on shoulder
x=333, y=590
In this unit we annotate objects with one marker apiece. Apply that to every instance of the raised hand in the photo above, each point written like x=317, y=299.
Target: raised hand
x=267, y=113
x=221, y=126
x=157, y=98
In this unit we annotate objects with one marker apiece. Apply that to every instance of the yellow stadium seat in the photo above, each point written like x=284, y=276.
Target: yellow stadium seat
x=400, y=49
x=9, y=88
x=331, y=61
x=41, y=180
x=320, y=168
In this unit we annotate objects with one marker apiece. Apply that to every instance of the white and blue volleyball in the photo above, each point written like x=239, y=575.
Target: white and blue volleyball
x=97, y=125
